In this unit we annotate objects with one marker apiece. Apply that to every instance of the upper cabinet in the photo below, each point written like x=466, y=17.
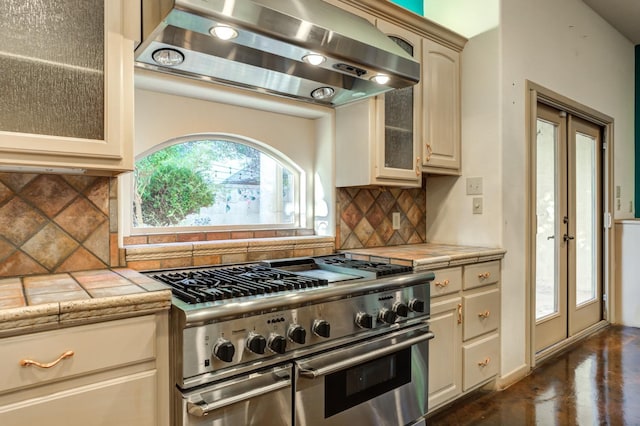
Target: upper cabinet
x=392, y=139
x=441, y=88
x=378, y=140
x=67, y=86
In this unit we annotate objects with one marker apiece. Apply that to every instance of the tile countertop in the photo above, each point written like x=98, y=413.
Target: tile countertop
x=39, y=302
x=428, y=255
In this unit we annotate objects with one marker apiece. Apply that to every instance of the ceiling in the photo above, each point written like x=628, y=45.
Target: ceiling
x=624, y=15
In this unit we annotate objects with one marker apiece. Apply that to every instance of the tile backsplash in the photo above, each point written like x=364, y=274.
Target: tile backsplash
x=365, y=217
x=56, y=223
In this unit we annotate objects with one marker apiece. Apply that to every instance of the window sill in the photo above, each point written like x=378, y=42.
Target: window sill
x=203, y=253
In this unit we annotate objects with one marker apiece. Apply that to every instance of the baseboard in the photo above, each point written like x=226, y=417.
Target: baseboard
x=510, y=378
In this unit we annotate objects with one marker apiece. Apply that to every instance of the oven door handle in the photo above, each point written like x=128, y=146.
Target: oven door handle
x=397, y=342
x=202, y=408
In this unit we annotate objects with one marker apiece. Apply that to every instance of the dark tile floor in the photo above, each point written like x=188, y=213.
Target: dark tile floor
x=595, y=382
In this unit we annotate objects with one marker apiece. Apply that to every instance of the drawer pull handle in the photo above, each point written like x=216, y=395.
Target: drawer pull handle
x=485, y=362
x=28, y=362
x=459, y=313
x=442, y=284
x=484, y=275
x=484, y=315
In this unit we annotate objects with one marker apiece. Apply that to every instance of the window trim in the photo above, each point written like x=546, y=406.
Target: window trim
x=299, y=196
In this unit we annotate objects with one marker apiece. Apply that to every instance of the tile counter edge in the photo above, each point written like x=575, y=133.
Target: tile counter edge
x=152, y=297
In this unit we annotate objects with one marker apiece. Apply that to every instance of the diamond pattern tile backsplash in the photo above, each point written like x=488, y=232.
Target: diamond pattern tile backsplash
x=56, y=223
x=365, y=217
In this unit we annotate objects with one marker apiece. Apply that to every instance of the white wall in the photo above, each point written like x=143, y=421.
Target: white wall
x=565, y=47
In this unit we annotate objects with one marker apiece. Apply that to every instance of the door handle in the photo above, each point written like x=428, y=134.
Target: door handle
x=567, y=238
x=551, y=237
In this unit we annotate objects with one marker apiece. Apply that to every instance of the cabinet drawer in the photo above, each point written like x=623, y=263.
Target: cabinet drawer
x=481, y=274
x=125, y=401
x=481, y=313
x=95, y=347
x=446, y=281
x=480, y=361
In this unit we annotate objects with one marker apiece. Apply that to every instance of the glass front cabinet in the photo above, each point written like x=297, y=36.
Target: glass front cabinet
x=67, y=86
x=382, y=133
x=392, y=139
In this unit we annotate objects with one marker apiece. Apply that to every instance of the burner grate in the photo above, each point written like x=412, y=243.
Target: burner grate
x=208, y=285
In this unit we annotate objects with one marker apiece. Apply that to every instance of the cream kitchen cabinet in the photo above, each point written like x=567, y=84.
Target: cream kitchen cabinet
x=465, y=319
x=445, y=363
x=384, y=141
x=108, y=373
x=441, y=110
x=383, y=131
x=67, y=78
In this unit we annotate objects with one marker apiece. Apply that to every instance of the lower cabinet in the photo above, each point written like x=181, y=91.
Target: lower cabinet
x=445, y=368
x=109, y=373
x=465, y=318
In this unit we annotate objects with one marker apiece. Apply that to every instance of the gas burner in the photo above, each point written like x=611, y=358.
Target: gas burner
x=212, y=284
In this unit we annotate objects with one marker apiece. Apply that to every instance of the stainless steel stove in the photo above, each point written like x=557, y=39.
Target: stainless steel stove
x=325, y=340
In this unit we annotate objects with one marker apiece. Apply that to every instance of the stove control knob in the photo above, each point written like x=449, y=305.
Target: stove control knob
x=277, y=343
x=321, y=328
x=416, y=305
x=297, y=334
x=224, y=350
x=387, y=316
x=401, y=309
x=256, y=343
x=364, y=320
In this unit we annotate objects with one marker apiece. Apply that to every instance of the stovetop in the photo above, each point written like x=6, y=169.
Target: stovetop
x=282, y=276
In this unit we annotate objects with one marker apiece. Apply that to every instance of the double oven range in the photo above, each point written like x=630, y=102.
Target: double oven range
x=306, y=341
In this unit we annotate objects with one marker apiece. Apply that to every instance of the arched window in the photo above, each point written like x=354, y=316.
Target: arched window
x=215, y=181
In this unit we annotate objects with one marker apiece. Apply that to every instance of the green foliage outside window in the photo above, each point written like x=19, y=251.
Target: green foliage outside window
x=170, y=185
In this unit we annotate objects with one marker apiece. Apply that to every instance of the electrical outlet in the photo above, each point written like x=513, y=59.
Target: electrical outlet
x=395, y=216
x=618, y=204
x=477, y=205
x=618, y=191
x=474, y=186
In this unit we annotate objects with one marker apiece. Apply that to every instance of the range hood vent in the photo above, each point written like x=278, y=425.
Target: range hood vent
x=303, y=49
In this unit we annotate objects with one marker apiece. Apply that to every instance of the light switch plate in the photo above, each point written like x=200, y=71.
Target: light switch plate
x=474, y=186
x=477, y=205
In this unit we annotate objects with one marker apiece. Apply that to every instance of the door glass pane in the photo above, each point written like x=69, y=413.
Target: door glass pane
x=585, y=237
x=398, y=113
x=546, y=199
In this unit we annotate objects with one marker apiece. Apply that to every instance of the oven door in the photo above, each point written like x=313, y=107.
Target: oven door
x=261, y=398
x=382, y=381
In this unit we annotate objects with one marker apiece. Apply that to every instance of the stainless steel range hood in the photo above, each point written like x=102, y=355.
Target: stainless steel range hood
x=272, y=38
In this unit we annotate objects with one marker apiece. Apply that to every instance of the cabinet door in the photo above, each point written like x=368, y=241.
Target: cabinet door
x=125, y=401
x=445, y=377
x=398, y=117
x=441, y=84
x=67, y=85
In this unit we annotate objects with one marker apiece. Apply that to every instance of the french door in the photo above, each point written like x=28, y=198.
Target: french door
x=568, y=236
